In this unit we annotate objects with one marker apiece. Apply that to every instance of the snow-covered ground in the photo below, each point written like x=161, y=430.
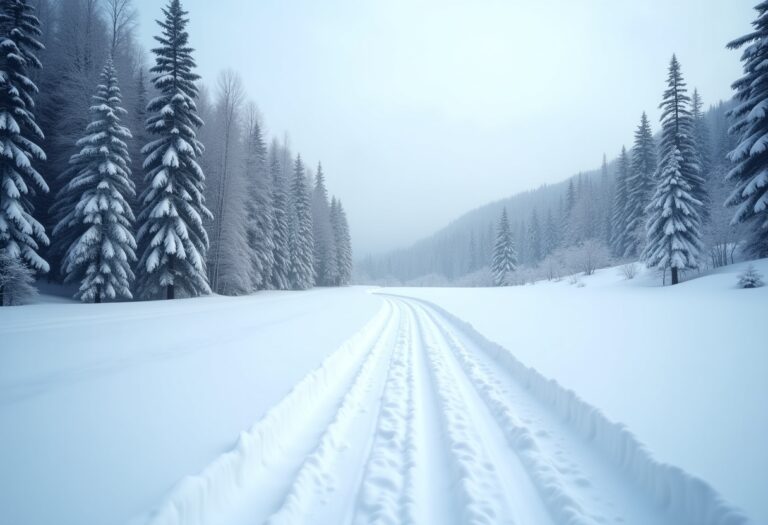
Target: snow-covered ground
x=684, y=367
x=104, y=408
x=346, y=406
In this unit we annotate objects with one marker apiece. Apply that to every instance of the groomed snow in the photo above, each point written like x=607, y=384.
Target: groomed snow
x=104, y=408
x=683, y=367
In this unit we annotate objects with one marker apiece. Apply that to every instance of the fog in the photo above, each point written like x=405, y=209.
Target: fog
x=422, y=110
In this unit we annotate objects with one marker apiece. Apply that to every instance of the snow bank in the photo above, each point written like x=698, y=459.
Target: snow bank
x=690, y=498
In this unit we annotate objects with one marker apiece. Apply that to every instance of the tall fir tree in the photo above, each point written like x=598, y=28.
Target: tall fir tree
x=96, y=218
x=534, y=238
x=620, y=240
x=21, y=234
x=171, y=232
x=750, y=156
x=551, y=234
x=301, y=242
x=674, y=226
x=259, y=207
x=343, y=243
x=640, y=187
x=281, y=254
x=326, y=268
x=504, y=261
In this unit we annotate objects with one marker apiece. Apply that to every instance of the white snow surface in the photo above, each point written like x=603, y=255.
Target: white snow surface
x=343, y=406
x=683, y=367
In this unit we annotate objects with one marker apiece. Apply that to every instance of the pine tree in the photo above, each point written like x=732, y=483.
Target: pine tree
x=534, y=238
x=551, y=234
x=750, y=157
x=326, y=269
x=171, y=230
x=343, y=243
x=302, y=270
x=21, y=234
x=674, y=224
x=620, y=241
x=17, y=281
x=96, y=220
x=259, y=206
x=640, y=187
x=504, y=256
x=280, y=278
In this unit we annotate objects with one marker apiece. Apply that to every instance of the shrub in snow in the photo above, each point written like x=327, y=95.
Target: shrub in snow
x=553, y=266
x=588, y=256
x=629, y=271
x=482, y=277
x=17, y=281
x=750, y=278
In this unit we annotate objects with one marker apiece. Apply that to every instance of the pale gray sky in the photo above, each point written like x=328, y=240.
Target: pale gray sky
x=421, y=110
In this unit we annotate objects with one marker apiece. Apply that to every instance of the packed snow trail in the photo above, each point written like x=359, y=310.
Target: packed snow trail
x=420, y=420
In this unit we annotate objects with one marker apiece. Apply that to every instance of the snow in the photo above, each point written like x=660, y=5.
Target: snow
x=683, y=367
x=103, y=408
x=359, y=405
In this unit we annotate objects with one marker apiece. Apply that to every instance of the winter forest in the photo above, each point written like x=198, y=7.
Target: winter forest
x=541, y=302
x=129, y=176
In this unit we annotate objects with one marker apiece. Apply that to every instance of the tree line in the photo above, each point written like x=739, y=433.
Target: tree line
x=691, y=196
x=130, y=181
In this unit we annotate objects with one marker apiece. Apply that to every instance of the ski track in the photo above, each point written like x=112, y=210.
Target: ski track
x=420, y=420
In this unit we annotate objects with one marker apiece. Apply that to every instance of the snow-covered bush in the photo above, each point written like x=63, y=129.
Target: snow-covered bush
x=588, y=257
x=553, y=266
x=629, y=271
x=750, y=278
x=480, y=278
x=17, y=282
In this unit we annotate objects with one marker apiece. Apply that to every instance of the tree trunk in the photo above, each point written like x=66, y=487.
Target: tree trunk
x=170, y=292
x=97, y=299
x=2, y=295
x=675, y=278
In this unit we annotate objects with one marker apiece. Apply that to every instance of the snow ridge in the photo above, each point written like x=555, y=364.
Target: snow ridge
x=196, y=497
x=689, y=499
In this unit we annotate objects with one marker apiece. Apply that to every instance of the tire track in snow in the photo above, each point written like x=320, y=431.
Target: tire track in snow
x=318, y=478
x=478, y=488
x=224, y=491
x=560, y=430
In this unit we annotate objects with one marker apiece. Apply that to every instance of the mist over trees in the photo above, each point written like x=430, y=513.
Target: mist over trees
x=131, y=177
x=690, y=197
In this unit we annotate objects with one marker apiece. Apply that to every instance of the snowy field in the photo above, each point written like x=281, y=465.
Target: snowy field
x=347, y=406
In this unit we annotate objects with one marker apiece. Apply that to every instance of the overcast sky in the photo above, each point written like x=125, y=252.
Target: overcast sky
x=421, y=110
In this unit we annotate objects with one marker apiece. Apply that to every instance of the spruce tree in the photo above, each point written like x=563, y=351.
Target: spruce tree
x=343, y=243
x=96, y=220
x=325, y=260
x=701, y=143
x=259, y=207
x=640, y=187
x=301, y=242
x=534, y=238
x=674, y=226
x=619, y=216
x=504, y=256
x=750, y=156
x=21, y=234
x=171, y=232
x=281, y=254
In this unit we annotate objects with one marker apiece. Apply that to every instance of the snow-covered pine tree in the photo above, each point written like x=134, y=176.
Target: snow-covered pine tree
x=534, y=238
x=551, y=234
x=21, y=234
x=280, y=278
x=674, y=226
x=620, y=241
x=96, y=220
x=749, y=174
x=17, y=281
x=259, y=208
x=301, y=242
x=504, y=256
x=173, y=206
x=640, y=187
x=326, y=269
x=343, y=243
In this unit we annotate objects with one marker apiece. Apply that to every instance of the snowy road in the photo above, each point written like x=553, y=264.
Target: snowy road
x=418, y=419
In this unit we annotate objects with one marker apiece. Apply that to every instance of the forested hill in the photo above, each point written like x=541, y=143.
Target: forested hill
x=543, y=220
